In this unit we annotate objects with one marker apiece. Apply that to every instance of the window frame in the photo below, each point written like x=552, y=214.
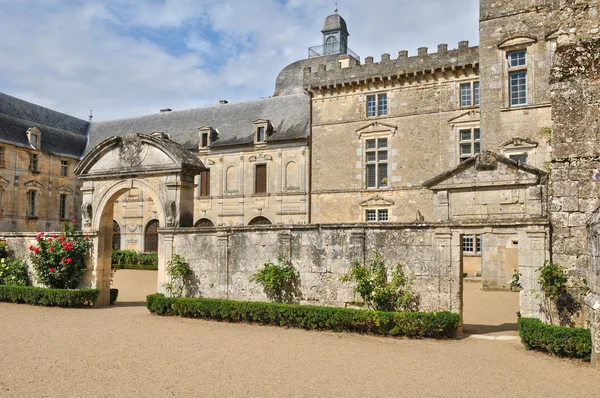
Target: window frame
x=34, y=162
x=62, y=206
x=518, y=77
x=377, y=215
x=32, y=203
x=64, y=168
x=204, y=185
x=474, y=95
x=2, y=155
x=376, y=105
x=475, y=245
x=378, y=163
x=262, y=189
x=472, y=141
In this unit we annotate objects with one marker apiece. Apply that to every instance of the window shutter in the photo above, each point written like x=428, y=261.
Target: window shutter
x=205, y=183
x=261, y=179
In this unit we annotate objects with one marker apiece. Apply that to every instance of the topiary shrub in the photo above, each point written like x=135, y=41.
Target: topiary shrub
x=114, y=293
x=558, y=340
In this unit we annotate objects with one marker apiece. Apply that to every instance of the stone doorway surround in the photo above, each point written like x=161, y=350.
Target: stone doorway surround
x=154, y=163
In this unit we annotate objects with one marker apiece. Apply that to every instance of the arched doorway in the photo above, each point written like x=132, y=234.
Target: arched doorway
x=204, y=223
x=260, y=220
x=116, y=238
x=138, y=161
x=151, y=237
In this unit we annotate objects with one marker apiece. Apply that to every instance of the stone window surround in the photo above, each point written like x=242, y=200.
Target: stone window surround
x=2, y=156
x=473, y=141
x=34, y=136
x=376, y=137
x=32, y=202
x=472, y=83
x=512, y=45
x=382, y=214
x=63, y=207
x=519, y=146
x=266, y=127
x=64, y=168
x=475, y=244
x=34, y=163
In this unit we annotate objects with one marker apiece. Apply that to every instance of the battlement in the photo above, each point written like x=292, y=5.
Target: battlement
x=349, y=71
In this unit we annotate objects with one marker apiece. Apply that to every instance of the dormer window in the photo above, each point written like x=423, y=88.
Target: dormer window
x=207, y=136
x=263, y=129
x=33, y=135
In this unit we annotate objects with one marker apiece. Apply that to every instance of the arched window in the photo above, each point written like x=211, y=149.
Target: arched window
x=260, y=221
x=151, y=237
x=116, y=239
x=331, y=45
x=291, y=175
x=204, y=223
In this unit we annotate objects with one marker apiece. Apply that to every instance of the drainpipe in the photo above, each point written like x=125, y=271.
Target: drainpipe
x=309, y=191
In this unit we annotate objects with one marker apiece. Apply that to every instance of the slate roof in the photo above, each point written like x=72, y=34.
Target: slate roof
x=335, y=22
x=62, y=135
x=234, y=122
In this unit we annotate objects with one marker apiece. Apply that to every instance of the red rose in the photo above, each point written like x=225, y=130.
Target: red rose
x=62, y=259
x=49, y=239
x=69, y=260
x=36, y=249
x=51, y=249
x=87, y=238
x=54, y=236
x=74, y=221
x=30, y=247
x=51, y=270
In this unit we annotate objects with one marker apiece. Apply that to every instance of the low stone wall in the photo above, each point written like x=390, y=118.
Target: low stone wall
x=18, y=243
x=224, y=260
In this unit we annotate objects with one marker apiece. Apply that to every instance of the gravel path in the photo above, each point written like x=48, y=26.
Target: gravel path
x=125, y=351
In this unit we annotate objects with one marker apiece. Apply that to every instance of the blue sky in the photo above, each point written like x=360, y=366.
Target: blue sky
x=126, y=58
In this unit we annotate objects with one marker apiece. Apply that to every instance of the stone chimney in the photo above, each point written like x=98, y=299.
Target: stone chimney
x=165, y=110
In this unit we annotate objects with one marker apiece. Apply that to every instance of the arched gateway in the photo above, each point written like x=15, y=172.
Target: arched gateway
x=150, y=162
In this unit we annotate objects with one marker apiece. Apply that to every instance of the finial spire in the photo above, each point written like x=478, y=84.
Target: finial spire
x=91, y=116
x=335, y=9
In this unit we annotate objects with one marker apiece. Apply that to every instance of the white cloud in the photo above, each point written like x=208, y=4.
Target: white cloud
x=124, y=58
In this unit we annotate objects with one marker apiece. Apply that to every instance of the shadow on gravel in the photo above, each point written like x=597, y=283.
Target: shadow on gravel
x=484, y=329
x=129, y=304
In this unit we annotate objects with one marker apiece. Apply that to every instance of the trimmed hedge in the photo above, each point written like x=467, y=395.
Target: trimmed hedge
x=135, y=266
x=114, y=293
x=558, y=340
x=410, y=324
x=48, y=297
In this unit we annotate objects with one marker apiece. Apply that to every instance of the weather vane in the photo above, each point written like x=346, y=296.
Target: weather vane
x=91, y=116
x=336, y=8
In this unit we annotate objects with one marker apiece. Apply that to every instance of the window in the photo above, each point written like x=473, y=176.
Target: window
x=471, y=244
x=469, y=94
x=380, y=215
x=469, y=143
x=520, y=158
x=205, y=183
x=62, y=207
x=260, y=134
x=517, y=77
x=151, y=237
x=34, y=140
x=376, y=157
x=260, y=221
x=260, y=182
x=1, y=156
x=64, y=168
x=377, y=105
x=204, y=143
x=204, y=223
x=33, y=163
x=31, y=203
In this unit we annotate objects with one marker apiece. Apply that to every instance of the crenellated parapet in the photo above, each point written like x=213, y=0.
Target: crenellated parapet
x=421, y=66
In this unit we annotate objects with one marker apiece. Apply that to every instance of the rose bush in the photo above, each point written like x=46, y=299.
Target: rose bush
x=60, y=261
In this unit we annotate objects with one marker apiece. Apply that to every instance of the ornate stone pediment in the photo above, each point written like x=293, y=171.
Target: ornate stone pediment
x=488, y=169
x=520, y=143
x=33, y=184
x=260, y=158
x=64, y=189
x=377, y=201
x=517, y=41
x=138, y=154
x=472, y=116
x=376, y=127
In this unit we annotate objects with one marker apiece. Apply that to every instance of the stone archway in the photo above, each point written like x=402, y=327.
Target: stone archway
x=153, y=163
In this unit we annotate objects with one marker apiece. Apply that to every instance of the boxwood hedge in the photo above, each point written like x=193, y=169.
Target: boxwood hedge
x=48, y=297
x=114, y=293
x=410, y=324
x=558, y=340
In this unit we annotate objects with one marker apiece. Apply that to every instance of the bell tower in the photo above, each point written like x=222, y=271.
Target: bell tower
x=335, y=34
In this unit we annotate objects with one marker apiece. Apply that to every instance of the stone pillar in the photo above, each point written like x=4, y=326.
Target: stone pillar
x=533, y=252
x=592, y=301
x=284, y=244
x=223, y=263
x=448, y=271
x=357, y=245
x=165, y=254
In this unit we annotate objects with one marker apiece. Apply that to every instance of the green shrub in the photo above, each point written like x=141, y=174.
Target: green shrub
x=279, y=281
x=375, y=288
x=114, y=293
x=135, y=266
x=13, y=272
x=410, y=324
x=48, y=297
x=558, y=340
x=180, y=274
x=130, y=259
x=60, y=261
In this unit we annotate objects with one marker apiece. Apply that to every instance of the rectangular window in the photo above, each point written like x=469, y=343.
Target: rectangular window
x=64, y=168
x=469, y=143
x=469, y=94
x=518, y=88
x=204, y=140
x=260, y=183
x=34, y=141
x=377, y=105
x=520, y=158
x=376, y=157
x=205, y=183
x=33, y=162
x=31, y=203
x=260, y=134
x=380, y=215
x=62, y=208
x=471, y=244
x=1, y=156
x=517, y=58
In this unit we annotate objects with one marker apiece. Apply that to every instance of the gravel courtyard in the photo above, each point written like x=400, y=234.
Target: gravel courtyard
x=125, y=351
